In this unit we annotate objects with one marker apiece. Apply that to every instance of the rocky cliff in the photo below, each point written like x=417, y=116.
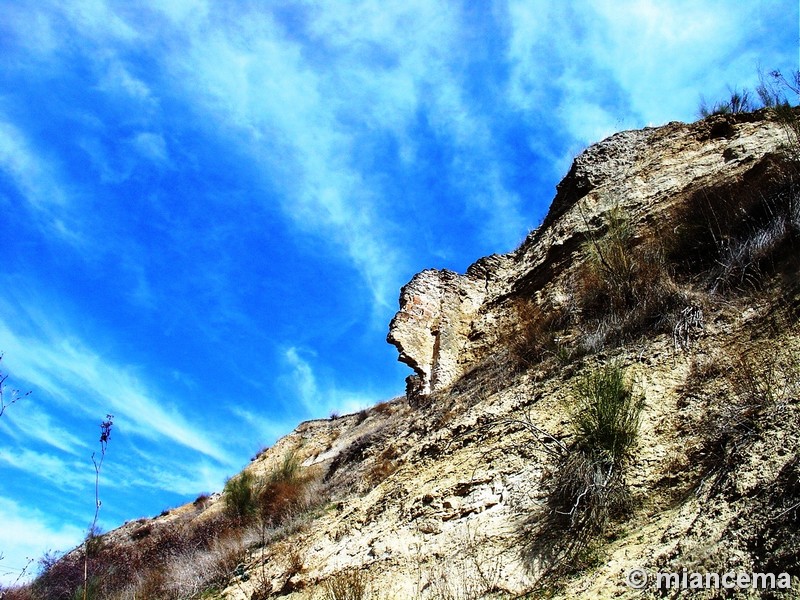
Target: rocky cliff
x=448, y=322
x=670, y=255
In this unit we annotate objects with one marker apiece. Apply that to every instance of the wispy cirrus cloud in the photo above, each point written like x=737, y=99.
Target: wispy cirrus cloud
x=601, y=66
x=38, y=182
x=37, y=424
x=66, y=474
x=302, y=382
x=67, y=369
x=253, y=82
x=311, y=105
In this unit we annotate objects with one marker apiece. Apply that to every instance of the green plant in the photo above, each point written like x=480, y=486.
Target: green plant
x=606, y=414
x=289, y=468
x=623, y=286
x=240, y=497
x=611, y=255
x=586, y=486
x=283, y=491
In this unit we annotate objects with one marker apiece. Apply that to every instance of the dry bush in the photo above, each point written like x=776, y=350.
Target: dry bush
x=59, y=577
x=279, y=500
x=734, y=237
x=383, y=408
x=623, y=287
x=384, y=465
x=287, y=491
x=193, y=572
x=760, y=384
x=475, y=571
x=535, y=333
x=356, y=452
x=168, y=561
x=15, y=593
x=350, y=584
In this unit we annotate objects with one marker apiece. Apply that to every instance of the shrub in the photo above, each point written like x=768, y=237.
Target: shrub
x=622, y=288
x=589, y=486
x=385, y=464
x=737, y=102
x=734, y=236
x=350, y=584
x=284, y=491
x=586, y=488
x=240, y=497
x=610, y=256
x=535, y=334
x=606, y=415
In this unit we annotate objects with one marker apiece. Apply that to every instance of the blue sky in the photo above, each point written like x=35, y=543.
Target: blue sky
x=208, y=208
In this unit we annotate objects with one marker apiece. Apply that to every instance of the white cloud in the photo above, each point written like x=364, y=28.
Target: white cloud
x=151, y=146
x=162, y=472
x=608, y=65
x=318, y=399
x=97, y=20
x=255, y=82
x=65, y=368
x=60, y=473
x=35, y=424
x=31, y=174
x=118, y=80
x=29, y=533
x=263, y=426
x=306, y=109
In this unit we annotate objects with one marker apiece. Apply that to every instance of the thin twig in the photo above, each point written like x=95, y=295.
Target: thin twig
x=105, y=434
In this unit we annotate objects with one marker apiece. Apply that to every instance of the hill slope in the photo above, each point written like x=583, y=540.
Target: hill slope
x=669, y=256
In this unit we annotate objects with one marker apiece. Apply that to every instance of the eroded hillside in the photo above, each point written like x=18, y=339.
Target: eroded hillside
x=669, y=256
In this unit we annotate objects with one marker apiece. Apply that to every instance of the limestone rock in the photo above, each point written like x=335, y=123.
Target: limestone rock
x=447, y=323
x=430, y=331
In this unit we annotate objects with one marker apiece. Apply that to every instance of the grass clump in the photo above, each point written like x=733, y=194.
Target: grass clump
x=350, y=584
x=590, y=487
x=240, y=497
x=623, y=287
x=606, y=415
x=737, y=102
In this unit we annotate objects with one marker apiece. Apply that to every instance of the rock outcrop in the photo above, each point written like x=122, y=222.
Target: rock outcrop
x=448, y=323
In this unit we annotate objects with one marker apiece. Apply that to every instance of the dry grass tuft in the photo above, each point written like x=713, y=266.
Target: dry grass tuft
x=350, y=584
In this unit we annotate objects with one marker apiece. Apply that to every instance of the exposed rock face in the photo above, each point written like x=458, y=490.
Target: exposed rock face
x=447, y=322
x=433, y=328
